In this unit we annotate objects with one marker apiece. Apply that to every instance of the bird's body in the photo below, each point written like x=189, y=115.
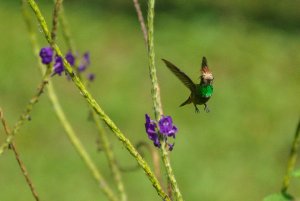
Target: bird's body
x=200, y=93
x=199, y=97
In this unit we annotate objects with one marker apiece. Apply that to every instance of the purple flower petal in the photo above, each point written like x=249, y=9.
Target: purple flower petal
x=70, y=58
x=166, y=126
x=46, y=55
x=58, y=66
x=91, y=77
x=150, y=127
x=86, y=57
x=171, y=146
x=81, y=68
x=85, y=62
x=156, y=142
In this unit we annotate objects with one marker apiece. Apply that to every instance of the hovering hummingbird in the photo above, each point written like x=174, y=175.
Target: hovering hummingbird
x=200, y=93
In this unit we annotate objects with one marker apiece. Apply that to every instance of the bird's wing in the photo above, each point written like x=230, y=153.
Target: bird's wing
x=181, y=75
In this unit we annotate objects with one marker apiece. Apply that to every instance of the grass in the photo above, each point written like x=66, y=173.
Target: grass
x=237, y=152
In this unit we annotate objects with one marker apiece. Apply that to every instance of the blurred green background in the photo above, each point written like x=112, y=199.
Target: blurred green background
x=236, y=152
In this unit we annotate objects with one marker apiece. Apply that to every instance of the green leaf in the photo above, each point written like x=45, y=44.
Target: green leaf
x=277, y=197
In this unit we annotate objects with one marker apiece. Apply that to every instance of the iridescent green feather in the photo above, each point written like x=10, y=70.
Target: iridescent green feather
x=206, y=90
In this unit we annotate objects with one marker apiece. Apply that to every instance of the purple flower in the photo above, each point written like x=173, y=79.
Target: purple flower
x=150, y=126
x=58, y=66
x=166, y=126
x=86, y=57
x=166, y=130
x=85, y=62
x=171, y=146
x=81, y=68
x=70, y=58
x=46, y=55
x=91, y=77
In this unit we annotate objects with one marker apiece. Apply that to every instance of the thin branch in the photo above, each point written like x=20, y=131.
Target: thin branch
x=78, y=145
x=17, y=156
x=56, y=11
x=26, y=114
x=141, y=20
x=155, y=155
x=66, y=31
x=292, y=160
x=110, y=156
x=158, y=111
x=155, y=158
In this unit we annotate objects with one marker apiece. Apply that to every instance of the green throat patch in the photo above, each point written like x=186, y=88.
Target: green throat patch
x=206, y=90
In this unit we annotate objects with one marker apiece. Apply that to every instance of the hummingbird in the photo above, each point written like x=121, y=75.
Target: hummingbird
x=200, y=93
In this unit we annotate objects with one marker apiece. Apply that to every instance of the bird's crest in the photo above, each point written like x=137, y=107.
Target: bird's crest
x=206, y=73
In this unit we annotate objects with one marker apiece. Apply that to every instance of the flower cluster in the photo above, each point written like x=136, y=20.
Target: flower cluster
x=164, y=130
x=47, y=53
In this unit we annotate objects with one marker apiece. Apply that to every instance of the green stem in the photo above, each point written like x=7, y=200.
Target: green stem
x=26, y=114
x=110, y=156
x=171, y=176
x=102, y=134
x=56, y=11
x=158, y=111
x=65, y=123
x=154, y=152
x=20, y=162
x=141, y=20
x=78, y=145
x=97, y=108
x=156, y=97
x=292, y=160
x=66, y=31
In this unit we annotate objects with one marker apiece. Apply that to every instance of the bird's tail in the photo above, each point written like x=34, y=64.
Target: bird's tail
x=186, y=102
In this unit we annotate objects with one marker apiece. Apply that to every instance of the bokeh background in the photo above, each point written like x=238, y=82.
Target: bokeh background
x=238, y=151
